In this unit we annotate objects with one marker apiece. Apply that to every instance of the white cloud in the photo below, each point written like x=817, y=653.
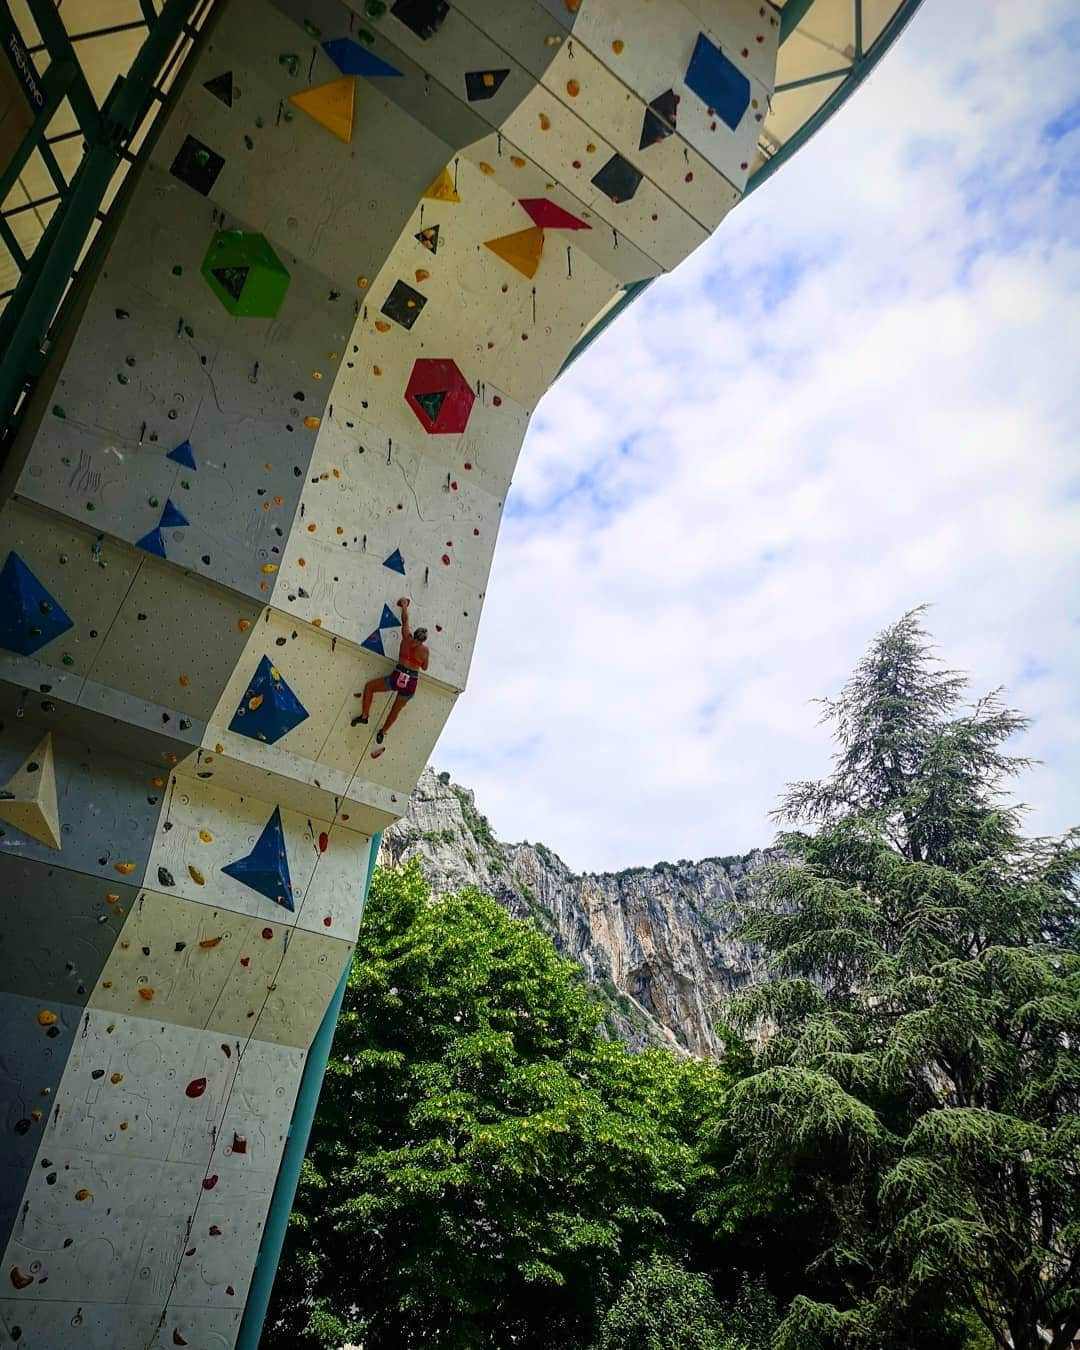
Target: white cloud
x=858, y=396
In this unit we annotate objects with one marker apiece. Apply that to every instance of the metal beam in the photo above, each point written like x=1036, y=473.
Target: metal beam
x=25, y=323
x=791, y=16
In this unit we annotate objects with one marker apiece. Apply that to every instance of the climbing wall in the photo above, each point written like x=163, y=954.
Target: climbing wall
x=354, y=260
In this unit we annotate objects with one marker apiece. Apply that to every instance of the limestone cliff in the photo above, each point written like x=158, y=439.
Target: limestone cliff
x=654, y=942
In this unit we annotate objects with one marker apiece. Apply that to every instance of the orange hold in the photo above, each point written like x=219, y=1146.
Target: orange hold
x=573, y=88
x=617, y=46
x=184, y=681
x=84, y=1194
x=517, y=161
x=486, y=168
x=243, y=624
x=422, y=274
x=269, y=568
x=545, y=122
x=116, y=1078
x=312, y=423
x=205, y=835
x=381, y=326
x=196, y=876
x=146, y=993
x=46, y=1018
x=207, y=943
x=125, y=868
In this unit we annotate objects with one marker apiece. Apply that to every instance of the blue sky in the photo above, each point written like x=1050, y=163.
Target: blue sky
x=859, y=396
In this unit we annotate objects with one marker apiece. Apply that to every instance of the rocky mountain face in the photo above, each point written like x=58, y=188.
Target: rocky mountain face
x=655, y=943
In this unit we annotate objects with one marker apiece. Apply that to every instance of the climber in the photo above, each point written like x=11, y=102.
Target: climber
x=412, y=659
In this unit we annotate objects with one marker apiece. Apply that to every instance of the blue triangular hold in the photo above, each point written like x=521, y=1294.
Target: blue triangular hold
x=183, y=454
x=396, y=562
x=172, y=517
x=269, y=708
x=352, y=59
x=29, y=616
x=389, y=618
x=152, y=542
x=718, y=82
x=374, y=643
x=266, y=867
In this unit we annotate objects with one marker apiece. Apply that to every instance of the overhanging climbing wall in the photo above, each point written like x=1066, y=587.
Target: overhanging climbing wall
x=359, y=253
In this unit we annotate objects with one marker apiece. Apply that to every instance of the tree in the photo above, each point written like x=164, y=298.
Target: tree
x=664, y=1306
x=484, y=1167
x=919, y=1070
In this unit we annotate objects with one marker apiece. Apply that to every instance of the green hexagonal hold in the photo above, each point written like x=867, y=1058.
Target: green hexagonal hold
x=245, y=274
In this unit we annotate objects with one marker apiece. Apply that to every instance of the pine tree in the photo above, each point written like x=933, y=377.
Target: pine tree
x=918, y=1068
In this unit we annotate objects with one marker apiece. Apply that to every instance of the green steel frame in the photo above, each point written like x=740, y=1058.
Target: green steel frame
x=37, y=307
x=863, y=63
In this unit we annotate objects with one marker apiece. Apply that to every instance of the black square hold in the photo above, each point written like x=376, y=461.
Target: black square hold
x=403, y=304
x=197, y=165
x=618, y=179
x=424, y=17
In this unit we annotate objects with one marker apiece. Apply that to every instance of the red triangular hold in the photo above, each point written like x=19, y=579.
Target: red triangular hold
x=550, y=216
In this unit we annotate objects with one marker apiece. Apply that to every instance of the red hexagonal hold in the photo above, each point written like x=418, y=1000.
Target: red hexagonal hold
x=440, y=396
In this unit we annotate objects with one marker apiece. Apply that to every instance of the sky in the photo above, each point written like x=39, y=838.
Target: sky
x=859, y=396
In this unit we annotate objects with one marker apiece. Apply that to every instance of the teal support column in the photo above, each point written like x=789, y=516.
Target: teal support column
x=307, y=1100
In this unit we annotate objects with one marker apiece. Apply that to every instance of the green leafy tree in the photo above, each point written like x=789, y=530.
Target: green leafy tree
x=919, y=1071
x=664, y=1306
x=485, y=1167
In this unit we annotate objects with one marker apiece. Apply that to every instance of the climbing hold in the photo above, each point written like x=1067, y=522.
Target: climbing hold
x=381, y=327
x=243, y=624
x=550, y=216
x=182, y=455
x=197, y=165
x=429, y=237
x=424, y=17
x=441, y=378
x=239, y=1143
x=146, y=993
x=269, y=709
x=208, y=944
x=165, y=877
x=483, y=84
x=573, y=88
x=177, y=1339
x=172, y=518
x=269, y=568
x=266, y=868
x=210, y=1182
x=28, y=798
x=660, y=119
x=204, y=835
x=30, y=616
x=116, y=1078
x=718, y=82
x=442, y=190
x=313, y=423
x=46, y=1018
x=245, y=274
x=403, y=304
x=19, y=1278
x=545, y=122
x=389, y=618
x=332, y=105
x=373, y=643
x=396, y=562
x=324, y=842
x=421, y=274
x=617, y=46
x=484, y=167
x=521, y=250
x=352, y=59
x=196, y=1087
x=221, y=86
x=376, y=753
x=83, y=1194
x=618, y=179
x=125, y=869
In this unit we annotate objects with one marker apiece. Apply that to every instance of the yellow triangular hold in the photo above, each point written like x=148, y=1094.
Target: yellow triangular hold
x=443, y=189
x=331, y=105
x=28, y=799
x=521, y=250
